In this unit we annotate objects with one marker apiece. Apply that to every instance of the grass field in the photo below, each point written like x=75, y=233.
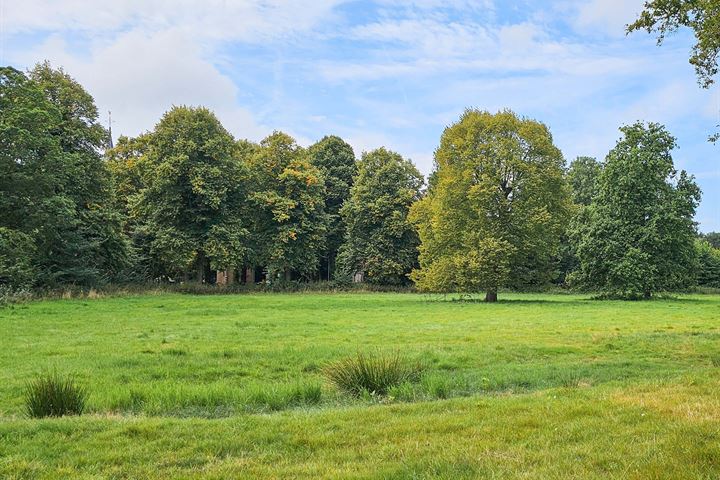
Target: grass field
x=536, y=386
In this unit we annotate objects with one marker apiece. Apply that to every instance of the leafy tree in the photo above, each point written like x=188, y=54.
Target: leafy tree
x=287, y=201
x=190, y=205
x=708, y=271
x=30, y=155
x=702, y=16
x=583, y=175
x=54, y=183
x=85, y=244
x=380, y=241
x=336, y=160
x=499, y=204
x=639, y=234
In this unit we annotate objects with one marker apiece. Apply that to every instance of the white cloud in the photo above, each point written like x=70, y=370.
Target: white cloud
x=247, y=20
x=141, y=57
x=427, y=37
x=608, y=16
x=140, y=76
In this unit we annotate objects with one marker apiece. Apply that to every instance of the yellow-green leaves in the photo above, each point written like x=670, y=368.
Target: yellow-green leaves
x=498, y=203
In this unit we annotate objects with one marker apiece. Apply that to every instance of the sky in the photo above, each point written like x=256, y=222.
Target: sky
x=378, y=73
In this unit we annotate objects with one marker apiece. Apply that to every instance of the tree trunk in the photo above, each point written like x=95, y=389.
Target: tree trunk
x=491, y=296
x=288, y=275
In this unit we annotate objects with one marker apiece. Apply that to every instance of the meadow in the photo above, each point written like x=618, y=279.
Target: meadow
x=232, y=386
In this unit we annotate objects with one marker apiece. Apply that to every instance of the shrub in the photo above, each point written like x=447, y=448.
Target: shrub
x=54, y=395
x=372, y=373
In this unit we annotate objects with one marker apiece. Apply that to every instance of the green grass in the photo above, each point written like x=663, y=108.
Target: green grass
x=536, y=386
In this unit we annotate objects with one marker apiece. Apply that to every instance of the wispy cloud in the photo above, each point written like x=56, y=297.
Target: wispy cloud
x=377, y=72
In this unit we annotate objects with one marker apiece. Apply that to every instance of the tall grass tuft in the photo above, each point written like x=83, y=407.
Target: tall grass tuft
x=373, y=373
x=54, y=395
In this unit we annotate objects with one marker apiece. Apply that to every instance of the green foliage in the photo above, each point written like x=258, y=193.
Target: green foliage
x=702, y=17
x=55, y=186
x=708, y=259
x=380, y=242
x=54, y=395
x=287, y=199
x=190, y=206
x=126, y=162
x=638, y=235
x=497, y=209
x=667, y=16
x=17, y=252
x=374, y=373
x=583, y=175
x=336, y=161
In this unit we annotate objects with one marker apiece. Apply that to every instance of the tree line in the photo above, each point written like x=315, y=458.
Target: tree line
x=188, y=202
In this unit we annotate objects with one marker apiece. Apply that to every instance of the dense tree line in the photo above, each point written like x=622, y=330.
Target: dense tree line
x=189, y=202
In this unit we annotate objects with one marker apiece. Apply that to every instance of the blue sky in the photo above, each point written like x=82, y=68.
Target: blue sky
x=378, y=73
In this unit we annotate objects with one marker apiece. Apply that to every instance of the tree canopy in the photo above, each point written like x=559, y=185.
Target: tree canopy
x=288, y=202
x=336, y=161
x=380, y=243
x=638, y=236
x=192, y=187
x=187, y=199
x=498, y=205
x=55, y=186
x=702, y=17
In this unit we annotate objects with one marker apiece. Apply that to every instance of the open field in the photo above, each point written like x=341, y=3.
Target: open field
x=536, y=386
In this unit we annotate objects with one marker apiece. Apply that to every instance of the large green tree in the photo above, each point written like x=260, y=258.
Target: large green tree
x=336, y=161
x=638, y=237
x=88, y=245
x=30, y=156
x=190, y=207
x=30, y=174
x=55, y=186
x=702, y=17
x=380, y=242
x=288, y=208
x=499, y=203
